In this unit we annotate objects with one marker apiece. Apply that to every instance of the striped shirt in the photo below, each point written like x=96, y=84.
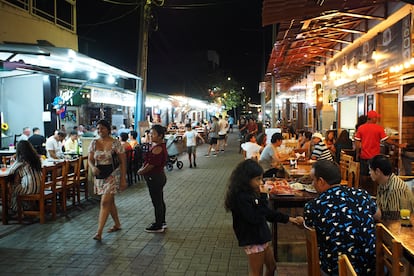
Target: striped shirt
x=321, y=152
x=394, y=195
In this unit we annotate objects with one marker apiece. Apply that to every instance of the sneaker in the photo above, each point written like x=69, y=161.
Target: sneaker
x=153, y=228
x=195, y=165
x=164, y=225
x=207, y=155
x=214, y=154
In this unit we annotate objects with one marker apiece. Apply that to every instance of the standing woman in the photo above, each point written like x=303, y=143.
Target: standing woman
x=109, y=178
x=26, y=171
x=153, y=172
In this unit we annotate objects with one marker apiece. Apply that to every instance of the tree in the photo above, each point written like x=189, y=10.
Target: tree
x=225, y=91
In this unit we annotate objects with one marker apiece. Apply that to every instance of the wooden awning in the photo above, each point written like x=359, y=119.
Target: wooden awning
x=309, y=31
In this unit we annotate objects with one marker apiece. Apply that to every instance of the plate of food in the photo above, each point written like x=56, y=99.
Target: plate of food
x=310, y=188
x=297, y=186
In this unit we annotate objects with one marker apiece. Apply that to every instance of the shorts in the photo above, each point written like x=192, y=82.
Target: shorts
x=255, y=248
x=213, y=141
x=231, y=126
x=191, y=149
x=221, y=137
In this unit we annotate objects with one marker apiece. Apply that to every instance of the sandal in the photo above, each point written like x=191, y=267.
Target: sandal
x=97, y=237
x=114, y=229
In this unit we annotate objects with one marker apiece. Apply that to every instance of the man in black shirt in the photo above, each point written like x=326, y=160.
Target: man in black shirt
x=38, y=141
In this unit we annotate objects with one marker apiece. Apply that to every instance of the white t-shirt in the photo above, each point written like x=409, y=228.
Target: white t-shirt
x=191, y=138
x=252, y=150
x=53, y=144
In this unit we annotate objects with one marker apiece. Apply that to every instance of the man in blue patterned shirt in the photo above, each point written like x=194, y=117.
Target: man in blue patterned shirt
x=344, y=220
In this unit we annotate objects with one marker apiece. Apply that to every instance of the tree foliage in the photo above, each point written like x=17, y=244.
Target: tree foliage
x=225, y=90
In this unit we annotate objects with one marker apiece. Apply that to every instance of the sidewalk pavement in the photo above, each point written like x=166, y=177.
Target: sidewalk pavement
x=199, y=239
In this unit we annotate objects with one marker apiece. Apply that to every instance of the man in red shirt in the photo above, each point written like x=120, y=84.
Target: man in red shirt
x=368, y=141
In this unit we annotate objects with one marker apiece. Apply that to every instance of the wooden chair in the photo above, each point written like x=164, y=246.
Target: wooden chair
x=16, y=138
x=353, y=174
x=82, y=177
x=312, y=252
x=129, y=166
x=45, y=197
x=61, y=190
x=345, y=267
x=344, y=166
x=72, y=182
x=388, y=251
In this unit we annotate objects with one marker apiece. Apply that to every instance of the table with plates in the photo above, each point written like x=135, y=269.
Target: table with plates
x=405, y=234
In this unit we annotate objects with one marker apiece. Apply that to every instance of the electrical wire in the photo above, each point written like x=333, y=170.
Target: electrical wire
x=110, y=20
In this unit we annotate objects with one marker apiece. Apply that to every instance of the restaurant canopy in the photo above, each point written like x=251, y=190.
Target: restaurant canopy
x=308, y=32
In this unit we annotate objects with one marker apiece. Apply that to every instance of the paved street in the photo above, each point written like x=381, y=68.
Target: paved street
x=199, y=239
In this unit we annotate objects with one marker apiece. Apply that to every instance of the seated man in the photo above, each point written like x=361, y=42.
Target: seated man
x=344, y=220
x=393, y=193
x=320, y=151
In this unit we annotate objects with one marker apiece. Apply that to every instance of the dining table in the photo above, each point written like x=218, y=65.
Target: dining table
x=302, y=168
x=297, y=200
x=4, y=181
x=405, y=234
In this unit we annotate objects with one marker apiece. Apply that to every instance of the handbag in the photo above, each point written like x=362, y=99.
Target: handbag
x=106, y=170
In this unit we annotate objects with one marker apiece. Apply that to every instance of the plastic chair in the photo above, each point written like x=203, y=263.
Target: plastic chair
x=388, y=251
x=345, y=267
x=312, y=252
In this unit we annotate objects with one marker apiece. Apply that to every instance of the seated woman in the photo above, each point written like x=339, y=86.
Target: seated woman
x=26, y=171
x=343, y=142
x=271, y=158
x=330, y=141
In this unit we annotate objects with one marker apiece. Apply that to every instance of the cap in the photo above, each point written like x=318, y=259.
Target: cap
x=317, y=135
x=372, y=114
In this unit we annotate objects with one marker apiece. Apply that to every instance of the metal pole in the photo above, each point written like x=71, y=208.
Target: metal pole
x=142, y=62
x=273, y=95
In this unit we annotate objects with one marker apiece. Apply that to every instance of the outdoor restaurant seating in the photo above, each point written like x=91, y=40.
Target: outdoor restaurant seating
x=71, y=168
x=38, y=202
x=61, y=190
x=312, y=252
x=353, y=174
x=344, y=166
x=82, y=177
x=388, y=252
x=345, y=267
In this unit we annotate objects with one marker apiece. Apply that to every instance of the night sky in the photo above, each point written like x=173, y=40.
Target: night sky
x=178, y=49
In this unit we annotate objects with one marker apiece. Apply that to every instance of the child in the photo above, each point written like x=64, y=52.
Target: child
x=190, y=137
x=251, y=150
x=247, y=201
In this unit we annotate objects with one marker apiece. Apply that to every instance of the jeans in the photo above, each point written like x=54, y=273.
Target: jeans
x=156, y=185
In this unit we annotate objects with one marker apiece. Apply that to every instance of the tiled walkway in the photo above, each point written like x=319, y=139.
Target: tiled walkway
x=199, y=239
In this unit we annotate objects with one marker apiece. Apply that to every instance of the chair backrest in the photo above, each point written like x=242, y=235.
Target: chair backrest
x=312, y=252
x=353, y=174
x=345, y=267
x=344, y=165
x=388, y=251
x=72, y=168
x=48, y=179
x=16, y=139
x=83, y=166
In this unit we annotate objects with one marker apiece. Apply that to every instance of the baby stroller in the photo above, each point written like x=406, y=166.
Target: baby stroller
x=174, y=148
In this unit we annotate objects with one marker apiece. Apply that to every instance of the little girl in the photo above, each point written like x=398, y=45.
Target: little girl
x=247, y=200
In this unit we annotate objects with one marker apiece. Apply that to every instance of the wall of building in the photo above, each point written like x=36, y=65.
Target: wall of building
x=21, y=103
x=13, y=27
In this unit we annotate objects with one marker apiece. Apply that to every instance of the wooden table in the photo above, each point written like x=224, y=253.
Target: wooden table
x=303, y=169
x=282, y=201
x=405, y=235
x=4, y=179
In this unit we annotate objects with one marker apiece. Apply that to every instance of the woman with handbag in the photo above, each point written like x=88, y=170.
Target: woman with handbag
x=108, y=164
x=153, y=172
